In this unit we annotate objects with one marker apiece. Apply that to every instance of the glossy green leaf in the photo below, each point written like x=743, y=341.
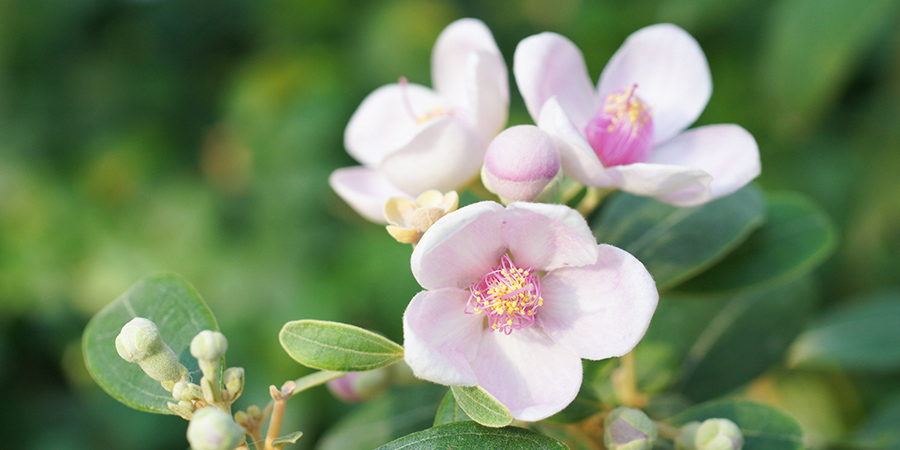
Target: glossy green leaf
x=763, y=427
x=750, y=331
x=449, y=411
x=337, y=346
x=861, y=336
x=813, y=47
x=481, y=406
x=796, y=237
x=399, y=412
x=677, y=243
x=471, y=436
x=179, y=312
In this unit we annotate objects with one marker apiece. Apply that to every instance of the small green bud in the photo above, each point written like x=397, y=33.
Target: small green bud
x=185, y=410
x=242, y=419
x=712, y=434
x=254, y=412
x=209, y=345
x=628, y=429
x=138, y=340
x=213, y=429
x=234, y=382
x=184, y=390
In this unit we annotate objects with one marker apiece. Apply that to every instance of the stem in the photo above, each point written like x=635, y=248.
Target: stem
x=667, y=431
x=626, y=383
x=592, y=197
x=277, y=417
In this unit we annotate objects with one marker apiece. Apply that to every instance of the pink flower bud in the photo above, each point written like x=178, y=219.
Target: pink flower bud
x=520, y=163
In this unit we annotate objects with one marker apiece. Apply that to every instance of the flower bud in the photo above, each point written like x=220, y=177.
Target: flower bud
x=520, y=164
x=213, y=429
x=234, y=382
x=628, y=429
x=358, y=386
x=138, y=339
x=184, y=390
x=254, y=412
x=140, y=342
x=209, y=345
x=712, y=434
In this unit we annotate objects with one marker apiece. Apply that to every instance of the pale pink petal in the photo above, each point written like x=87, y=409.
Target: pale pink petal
x=529, y=373
x=460, y=248
x=671, y=73
x=451, y=63
x=387, y=119
x=440, y=339
x=727, y=152
x=547, y=236
x=444, y=154
x=600, y=310
x=365, y=190
x=577, y=158
x=676, y=185
x=547, y=65
x=488, y=93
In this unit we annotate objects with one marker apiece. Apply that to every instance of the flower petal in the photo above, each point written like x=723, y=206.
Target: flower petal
x=529, y=373
x=600, y=310
x=577, y=158
x=675, y=185
x=547, y=65
x=727, y=152
x=488, y=93
x=444, y=154
x=365, y=190
x=671, y=72
x=387, y=119
x=460, y=248
x=439, y=338
x=452, y=64
x=547, y=236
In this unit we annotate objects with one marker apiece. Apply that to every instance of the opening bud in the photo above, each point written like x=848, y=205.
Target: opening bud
x=409, y=220
x=628, y=429
x=521, y=164
x=234, y=382
x=213, y=429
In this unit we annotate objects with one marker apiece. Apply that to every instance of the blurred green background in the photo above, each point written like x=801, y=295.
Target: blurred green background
x=196, y=136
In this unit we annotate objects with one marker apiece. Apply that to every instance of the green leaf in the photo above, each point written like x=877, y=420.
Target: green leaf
x=881, y=429
x=337, y=346
x=471, y=436
x=677, y=243
x=179, y=312
x=813, y=47
x=314, y=379
x=449, y=411
x=288, y=439
x=750, y=332
x=763, y=427
x=400, y=411
x=861, y=336
x=796, y=237
x=481, y=406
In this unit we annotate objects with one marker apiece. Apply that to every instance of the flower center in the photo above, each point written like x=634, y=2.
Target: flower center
x=508, y=295
x=622, y=131
x=418, y=118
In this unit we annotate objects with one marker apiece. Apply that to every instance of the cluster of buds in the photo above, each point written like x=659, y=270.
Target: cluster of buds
x=140, y=342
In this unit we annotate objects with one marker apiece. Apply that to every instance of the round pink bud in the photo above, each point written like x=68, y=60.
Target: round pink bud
x=359, y=386
x=520, y=163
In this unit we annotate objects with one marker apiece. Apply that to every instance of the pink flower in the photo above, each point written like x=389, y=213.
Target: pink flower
x=411, y=139
x=629, y=131
x=515, y=297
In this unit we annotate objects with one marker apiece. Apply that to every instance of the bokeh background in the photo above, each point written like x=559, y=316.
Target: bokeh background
x=196, y=137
